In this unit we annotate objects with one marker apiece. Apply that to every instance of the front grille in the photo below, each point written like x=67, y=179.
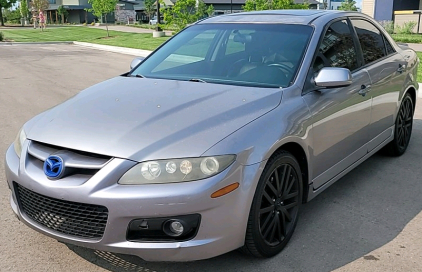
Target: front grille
x=71, y=218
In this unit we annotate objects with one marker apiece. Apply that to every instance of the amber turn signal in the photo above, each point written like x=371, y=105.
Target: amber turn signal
x=225, y=190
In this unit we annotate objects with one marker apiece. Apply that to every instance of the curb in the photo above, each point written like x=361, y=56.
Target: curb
x=115, y=49
x=31, y=43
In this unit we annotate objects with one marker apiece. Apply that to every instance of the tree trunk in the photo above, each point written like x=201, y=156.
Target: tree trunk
x=1, y=16
x=105, y=19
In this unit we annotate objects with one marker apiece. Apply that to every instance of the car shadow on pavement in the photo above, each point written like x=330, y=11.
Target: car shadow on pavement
x=361, y=212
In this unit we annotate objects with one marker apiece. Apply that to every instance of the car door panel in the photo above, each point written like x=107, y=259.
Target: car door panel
x=385, y=68
x=341, y=118
x=387, y=83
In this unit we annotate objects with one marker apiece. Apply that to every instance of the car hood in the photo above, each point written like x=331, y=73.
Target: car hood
x=148, y=119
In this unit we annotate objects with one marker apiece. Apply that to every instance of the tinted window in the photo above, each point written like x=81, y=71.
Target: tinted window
x=388, y=46
x=266, y=55
x=370, y=39
x=337, y=48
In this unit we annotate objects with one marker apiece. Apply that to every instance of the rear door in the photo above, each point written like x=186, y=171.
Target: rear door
x=385, y=67
x=341, y=116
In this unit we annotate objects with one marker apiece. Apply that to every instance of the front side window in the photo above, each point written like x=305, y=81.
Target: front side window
x=264, y=55
x=370, y=39
x=337, y=48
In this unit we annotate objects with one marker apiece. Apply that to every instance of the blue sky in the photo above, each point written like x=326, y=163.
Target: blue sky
x=359, y=3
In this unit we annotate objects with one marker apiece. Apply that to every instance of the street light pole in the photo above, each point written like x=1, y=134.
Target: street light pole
x=231, y=6
x=158, y=28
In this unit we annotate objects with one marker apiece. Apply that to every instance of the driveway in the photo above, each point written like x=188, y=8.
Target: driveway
x=370, y=220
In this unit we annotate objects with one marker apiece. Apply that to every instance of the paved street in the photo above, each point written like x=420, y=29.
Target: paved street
x=370, y=220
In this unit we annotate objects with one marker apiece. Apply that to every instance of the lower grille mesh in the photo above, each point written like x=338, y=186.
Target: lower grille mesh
x=71, y=218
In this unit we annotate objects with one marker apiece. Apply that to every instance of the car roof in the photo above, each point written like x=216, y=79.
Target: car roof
x=274, y=16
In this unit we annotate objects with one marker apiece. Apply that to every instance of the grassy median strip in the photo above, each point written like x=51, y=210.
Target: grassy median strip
x=84, y=34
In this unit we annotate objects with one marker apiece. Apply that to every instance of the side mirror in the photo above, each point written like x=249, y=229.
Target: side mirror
x=135, y=62
x=331, y=77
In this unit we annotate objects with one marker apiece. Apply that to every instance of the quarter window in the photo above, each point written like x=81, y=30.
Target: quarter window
x=390, y=49
x=371, y=40
x=337, y=48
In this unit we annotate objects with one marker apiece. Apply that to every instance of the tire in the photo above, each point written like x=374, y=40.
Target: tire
x=275, y=207
x=403, y=128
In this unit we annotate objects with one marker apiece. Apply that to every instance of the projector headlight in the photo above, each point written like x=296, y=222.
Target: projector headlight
x=20, y=139
x=176, y=170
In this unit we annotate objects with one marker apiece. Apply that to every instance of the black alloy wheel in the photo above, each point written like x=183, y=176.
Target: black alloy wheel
x=403, y=128
x=275, y=208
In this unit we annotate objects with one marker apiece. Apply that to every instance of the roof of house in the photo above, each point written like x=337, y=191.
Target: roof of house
x=312, y=2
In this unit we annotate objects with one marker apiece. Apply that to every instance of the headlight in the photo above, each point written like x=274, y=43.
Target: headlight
x=20, y=139
x=176, y=170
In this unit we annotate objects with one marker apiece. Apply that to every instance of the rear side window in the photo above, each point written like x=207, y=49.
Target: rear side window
x=370, y=39
x=337, y=48
x=388, y=46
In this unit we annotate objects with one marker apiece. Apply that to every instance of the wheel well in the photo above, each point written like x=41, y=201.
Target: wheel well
x=412, y=93
x=297, y=151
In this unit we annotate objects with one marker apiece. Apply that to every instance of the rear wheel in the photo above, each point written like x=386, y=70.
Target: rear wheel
x=403, y=128
x=275, y=207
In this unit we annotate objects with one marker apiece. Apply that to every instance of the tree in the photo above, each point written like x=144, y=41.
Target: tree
x=348, y=5
x=23, y=8
x=149, y=8
x=62, y=12
x=251, y=5
x=37, y=5
x=5, y=4
x=185, y=12
x=101, y=8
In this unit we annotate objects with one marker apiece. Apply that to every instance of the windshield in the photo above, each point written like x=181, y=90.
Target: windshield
x=265, y=55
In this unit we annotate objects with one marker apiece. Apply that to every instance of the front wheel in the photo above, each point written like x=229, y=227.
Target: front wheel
x=275, y=207
x=403, y=128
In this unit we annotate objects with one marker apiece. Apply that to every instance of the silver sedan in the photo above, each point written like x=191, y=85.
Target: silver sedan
x=214, y=141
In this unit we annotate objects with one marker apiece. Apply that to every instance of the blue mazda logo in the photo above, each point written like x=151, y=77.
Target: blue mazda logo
x=53, y=167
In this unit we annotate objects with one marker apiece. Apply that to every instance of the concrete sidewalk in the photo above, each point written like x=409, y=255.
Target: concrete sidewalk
x=415, y=46
x=130, y=29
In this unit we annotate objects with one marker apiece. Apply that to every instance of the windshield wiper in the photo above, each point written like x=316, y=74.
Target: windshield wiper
x=197, y=80
x=137, y=75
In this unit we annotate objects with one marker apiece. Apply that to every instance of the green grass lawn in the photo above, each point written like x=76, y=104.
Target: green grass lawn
x=84, y=34
x=407, y=38
x=420, y=67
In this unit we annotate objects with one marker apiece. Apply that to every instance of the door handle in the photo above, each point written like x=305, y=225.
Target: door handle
x=364, y=89
x=401, y=68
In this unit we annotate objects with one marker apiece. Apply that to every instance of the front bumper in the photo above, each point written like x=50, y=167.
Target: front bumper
x=223, y=220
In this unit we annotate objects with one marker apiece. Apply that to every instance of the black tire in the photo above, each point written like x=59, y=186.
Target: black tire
x=403, y=128
x=275, y=207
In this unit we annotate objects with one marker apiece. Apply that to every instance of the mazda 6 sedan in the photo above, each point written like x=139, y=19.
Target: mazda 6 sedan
x=214, y=141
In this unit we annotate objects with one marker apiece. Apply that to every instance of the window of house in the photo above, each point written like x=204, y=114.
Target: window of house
x=337, y=48
x=371, y=40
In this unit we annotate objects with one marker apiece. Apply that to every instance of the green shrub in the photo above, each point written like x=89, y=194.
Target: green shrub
x=1, y=36
x=406, y=28
x=388, y=26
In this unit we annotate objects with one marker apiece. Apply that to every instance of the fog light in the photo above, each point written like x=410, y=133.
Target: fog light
x=176, y=227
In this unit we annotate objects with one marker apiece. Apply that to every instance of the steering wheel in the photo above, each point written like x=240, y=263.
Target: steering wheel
x=282, y=67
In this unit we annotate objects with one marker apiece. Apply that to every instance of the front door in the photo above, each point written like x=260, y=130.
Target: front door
x=341, y=116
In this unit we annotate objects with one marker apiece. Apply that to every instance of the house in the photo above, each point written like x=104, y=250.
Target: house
x=382, y=10
x=78, y=15
x=75, y=8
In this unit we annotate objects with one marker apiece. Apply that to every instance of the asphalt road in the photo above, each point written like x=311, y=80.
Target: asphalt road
x=370, y=220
